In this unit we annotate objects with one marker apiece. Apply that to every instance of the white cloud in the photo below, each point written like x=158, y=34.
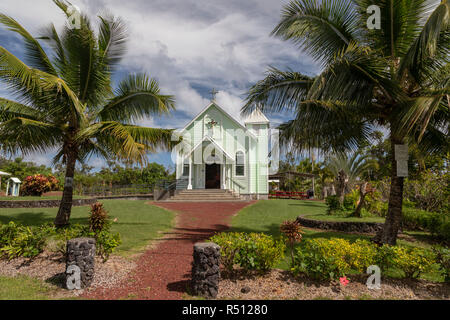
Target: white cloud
x=190, y=46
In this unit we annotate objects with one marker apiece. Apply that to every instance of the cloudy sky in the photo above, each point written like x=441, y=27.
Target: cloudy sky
x=190, y=46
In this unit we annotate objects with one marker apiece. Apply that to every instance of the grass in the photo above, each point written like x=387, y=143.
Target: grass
x=138, y=222
x=267, y=215
x=37, y=198
x=23, y=288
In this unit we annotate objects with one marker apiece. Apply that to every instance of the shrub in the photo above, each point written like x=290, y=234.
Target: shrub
x=251, y=251
x=54, y=183
x=373, y=203
x=22, y=241
x=310, y=261
x=98, y=220
x=429, y=191
x=436, y=223
x=412, y=261
x=293, y=233
x=333, y=204
x=443, y=258
x=351, y=200
x=333, y=258
x=106, y=243
x=17, y=240
x=35, y=185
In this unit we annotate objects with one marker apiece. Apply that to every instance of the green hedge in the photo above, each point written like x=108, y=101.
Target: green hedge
x=17, y=240
x=436, y=223
x=251, y=251
x=333, y=258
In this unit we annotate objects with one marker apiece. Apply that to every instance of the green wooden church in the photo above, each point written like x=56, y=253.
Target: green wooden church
x=220, y=153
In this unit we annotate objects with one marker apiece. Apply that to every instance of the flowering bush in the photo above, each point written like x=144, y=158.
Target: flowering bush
x=35, y=185
x=54, y=183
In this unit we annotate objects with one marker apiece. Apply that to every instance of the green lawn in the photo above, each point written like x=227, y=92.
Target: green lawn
x=138, y=222
x=23, y=288
x=38, y=198
x=267, y=215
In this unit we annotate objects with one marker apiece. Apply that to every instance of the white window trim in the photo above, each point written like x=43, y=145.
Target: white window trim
x=185, y=163
x=235, y=164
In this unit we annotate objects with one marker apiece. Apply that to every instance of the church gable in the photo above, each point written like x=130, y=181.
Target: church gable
x=216, y=123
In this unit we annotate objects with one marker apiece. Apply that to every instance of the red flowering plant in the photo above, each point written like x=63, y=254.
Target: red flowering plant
x=344, y=281
x=35, y=185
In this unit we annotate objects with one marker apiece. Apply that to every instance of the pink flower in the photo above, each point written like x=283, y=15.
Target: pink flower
x=344, y=281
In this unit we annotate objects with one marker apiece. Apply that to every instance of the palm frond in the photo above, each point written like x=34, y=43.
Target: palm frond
x=278, y=91
x=137, y=96
x=431, y=48
x=37, y=58
x=11, y=109
x=50, y=35
x=28, y=135
x=400, y=24
x=321, y=28
x=111, y=41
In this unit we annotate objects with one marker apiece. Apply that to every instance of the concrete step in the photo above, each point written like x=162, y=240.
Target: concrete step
x=204, y=191
x=218, y=200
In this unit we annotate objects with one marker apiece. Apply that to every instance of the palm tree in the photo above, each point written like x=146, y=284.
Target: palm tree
x=65, y=101
x=347, y=168
x=397, y=76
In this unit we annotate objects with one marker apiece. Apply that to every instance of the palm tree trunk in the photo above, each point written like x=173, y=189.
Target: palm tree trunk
x=388, y=234
x=362, y=197
x=341, y=184
x=65, y=208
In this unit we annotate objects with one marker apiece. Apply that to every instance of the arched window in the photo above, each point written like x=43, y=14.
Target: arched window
x=240, y=164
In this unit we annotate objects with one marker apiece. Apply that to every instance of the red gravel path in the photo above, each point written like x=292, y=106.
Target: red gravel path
x=163, y=273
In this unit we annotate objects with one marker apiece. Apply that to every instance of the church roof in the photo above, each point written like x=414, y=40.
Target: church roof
x=214, y=103
x=257, y=117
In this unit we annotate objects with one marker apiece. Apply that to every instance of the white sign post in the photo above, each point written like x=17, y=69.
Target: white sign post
x=401, y=156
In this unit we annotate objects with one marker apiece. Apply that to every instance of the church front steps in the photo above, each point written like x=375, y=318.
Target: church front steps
x=204, y=195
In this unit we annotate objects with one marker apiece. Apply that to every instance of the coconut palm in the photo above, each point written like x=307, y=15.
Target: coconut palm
x=65, y=101
x=396, y=76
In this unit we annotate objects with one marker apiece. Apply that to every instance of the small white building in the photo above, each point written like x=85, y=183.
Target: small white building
x=13, y=187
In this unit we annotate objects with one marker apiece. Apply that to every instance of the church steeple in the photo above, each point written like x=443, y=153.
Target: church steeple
x=257, y=117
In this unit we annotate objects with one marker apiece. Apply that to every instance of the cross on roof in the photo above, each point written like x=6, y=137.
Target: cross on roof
x=213, y=93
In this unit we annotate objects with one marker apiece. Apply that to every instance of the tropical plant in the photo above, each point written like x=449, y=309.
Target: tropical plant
x=293, y=233
x=396, y=76
x=347, y=168
x=66, y=101
x=35, y=185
